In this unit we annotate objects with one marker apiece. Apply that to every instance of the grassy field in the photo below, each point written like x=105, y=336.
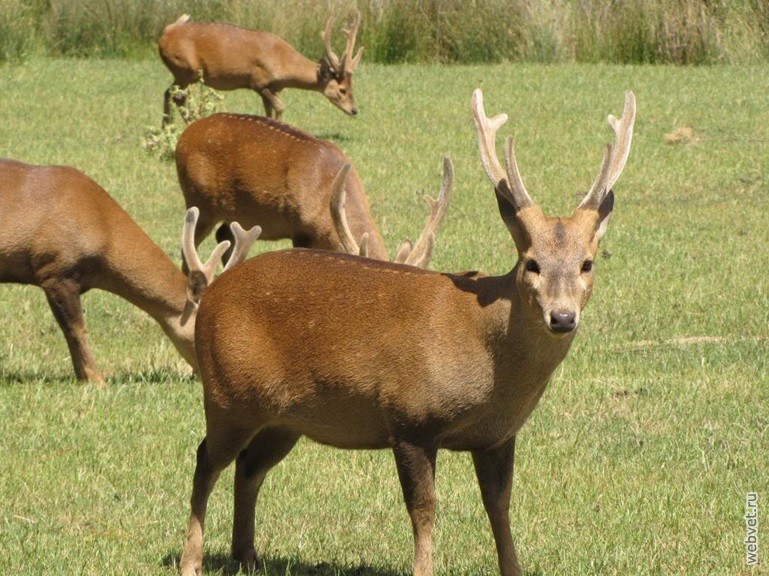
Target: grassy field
x=640, y=456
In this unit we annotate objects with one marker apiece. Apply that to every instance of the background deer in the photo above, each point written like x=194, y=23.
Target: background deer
x=232, y=57
x=260, y=171
x=61, y=231
x=396, y=357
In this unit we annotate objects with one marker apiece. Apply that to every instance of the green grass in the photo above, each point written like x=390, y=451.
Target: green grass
x=641, y=453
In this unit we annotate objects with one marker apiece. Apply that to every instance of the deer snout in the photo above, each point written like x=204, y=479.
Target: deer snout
x=353, y=111
x=563, y=321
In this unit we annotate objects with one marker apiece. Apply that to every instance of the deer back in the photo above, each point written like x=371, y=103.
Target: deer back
x=75, y=224
x=261, y=171
x=230, y=56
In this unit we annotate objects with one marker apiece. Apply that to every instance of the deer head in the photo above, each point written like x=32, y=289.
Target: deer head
x=556, y=255
x=335, y=73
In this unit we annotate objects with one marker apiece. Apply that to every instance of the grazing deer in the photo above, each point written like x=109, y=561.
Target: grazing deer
x=258, y=170
x=61, y=231
x=361, y=354
x=231, y=57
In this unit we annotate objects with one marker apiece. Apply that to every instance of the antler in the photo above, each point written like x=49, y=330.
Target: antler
x=243, y=241
x=422, y=252
x=190, y=252
x=508, y=183
x=200, y=274
x=332, y=58
x=616, y=156
x=339, y=216
x=348, y=63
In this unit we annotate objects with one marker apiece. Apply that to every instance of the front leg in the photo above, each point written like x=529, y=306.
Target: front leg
x=273, y=107
x=494, y=469
x=64, y=299
x=416, y=471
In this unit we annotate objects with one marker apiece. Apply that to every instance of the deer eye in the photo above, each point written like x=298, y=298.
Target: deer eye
x=587, y=265
x=343, y=91
x=532, y=266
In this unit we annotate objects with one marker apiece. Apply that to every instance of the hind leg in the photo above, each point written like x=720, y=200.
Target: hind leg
x=214, y=454
x=265, y=451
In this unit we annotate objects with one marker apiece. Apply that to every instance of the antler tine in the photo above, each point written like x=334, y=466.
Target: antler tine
x=348, y=62
x=508, y=183
x=188, y=239
x=339, y=214
x=243, y=242
x=422, y=252
x=616, y=156
x=191, y=254
x=332, y=58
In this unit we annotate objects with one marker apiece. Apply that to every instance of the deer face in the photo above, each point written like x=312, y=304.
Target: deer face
x=339, y=91
x=336, y=73
x=554, y=273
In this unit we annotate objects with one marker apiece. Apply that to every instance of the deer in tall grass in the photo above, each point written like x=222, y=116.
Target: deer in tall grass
x=231, y=57
x=261, y=171
x=362, y=354
x=61, y=231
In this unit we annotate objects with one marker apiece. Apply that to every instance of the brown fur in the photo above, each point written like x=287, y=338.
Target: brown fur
x=262, y=171
x=61, y=231
x=360, y=354
x=232, y=57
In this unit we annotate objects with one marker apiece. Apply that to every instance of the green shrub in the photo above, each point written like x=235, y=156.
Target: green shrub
x=201, y=100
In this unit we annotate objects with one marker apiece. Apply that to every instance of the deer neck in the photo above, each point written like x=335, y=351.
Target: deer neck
x=525, y=352
x=305, y=74
x=145, y=276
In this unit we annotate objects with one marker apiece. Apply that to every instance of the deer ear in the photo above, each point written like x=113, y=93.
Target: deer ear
x=196, y=285
x=403, y=251
x=604, y=214
x=506, y=208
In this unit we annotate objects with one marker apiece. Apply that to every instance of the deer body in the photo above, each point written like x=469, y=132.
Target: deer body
x=395, y=357
x=61, y=231
x=232, y=57
x=352, y=390
x=261, y=171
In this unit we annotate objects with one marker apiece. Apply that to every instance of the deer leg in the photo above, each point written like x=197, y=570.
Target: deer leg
x=494, y=469
x=214, y=454
x=264, y=452
x=273, y=107
x=64, y=299
x=416, y=471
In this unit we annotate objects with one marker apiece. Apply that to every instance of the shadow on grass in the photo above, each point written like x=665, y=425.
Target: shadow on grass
x=35, y=377
x=225, y=565
x=337, y=137
x=271, y=566
x=148, y=376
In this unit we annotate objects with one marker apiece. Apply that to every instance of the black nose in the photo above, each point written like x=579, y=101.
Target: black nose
x=353, y=112
x=563, y=322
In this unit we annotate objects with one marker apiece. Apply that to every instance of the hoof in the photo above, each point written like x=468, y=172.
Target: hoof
x=247, y=560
